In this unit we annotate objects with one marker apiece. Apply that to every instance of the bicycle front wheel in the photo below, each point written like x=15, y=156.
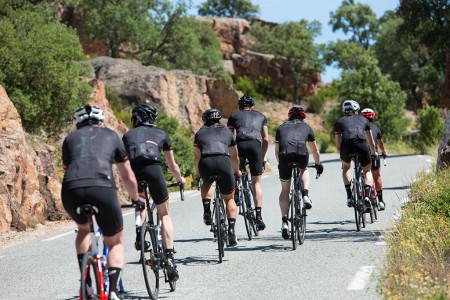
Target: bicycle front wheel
x=356, y=205
x=92, y=279
x=150, y=263
x=217, y=229
x=301, y=223
x=251, y=214
x=244, y=211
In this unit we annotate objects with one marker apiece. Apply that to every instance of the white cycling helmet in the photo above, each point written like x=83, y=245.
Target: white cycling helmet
x=89, y=114
x=350, y=106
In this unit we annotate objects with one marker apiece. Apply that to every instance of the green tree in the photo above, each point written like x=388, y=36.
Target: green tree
x=37, y=67
x=347, y=55
x=356, y=19
x=370, y=88
x=429, y=21
x=430, y=125
x=292, y=45
x=406, y=61
x=243, y=9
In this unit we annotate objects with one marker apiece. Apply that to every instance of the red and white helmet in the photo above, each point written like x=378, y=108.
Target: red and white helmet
x=368, y=113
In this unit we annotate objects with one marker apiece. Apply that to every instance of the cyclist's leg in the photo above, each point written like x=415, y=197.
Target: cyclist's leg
x=303, y=161
x=206, y=170
x=378, y=183
x=227, y=187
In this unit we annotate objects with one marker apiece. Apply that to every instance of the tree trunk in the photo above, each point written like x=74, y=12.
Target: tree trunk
x=446, y=105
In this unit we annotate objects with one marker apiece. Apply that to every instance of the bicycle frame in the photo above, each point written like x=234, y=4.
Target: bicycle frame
x=92, y=258
x=297, y=211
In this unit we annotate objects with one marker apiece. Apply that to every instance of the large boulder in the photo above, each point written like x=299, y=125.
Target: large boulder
x=181, y=94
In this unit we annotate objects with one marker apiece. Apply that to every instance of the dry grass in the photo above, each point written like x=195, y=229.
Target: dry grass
x=418, y=261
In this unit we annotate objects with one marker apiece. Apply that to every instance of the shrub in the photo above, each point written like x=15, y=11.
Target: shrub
x=37, y=68
x=430, y=125
x=247, y=86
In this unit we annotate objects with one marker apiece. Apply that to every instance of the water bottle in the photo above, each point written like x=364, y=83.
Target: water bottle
x=158, y=236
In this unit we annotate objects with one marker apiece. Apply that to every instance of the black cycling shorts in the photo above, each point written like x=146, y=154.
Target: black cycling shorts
x=356, y=147
x=252, y=151
x=219, y=165
x=154, y=175
x=109, y=217
x=285, y=171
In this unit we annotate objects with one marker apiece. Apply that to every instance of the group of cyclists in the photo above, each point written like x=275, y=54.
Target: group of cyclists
x=89, y=153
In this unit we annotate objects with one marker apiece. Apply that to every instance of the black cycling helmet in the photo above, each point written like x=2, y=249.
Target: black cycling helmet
x=88, y=115
x=246, y=101
x=296, y=112
x=211, y=116
x=144, y=114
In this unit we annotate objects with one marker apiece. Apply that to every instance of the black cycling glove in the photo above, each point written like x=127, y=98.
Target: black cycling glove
x=140, y=204
x=319, y=168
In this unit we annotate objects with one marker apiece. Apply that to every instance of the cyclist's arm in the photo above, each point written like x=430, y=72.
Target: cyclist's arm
x=234, y=159
x=315, y=151
x=383, y=149
x=277, y=151
x=265, y=140
x=129, y=180
x=197, y=155
x=173, y=166
x=369, y=137
x=337, y=140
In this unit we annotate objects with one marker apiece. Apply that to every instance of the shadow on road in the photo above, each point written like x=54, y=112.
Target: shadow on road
x=405, y=187
x=198, y=260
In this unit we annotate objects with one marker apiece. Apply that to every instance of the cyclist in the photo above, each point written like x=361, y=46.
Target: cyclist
x=354, y=136
x=376, y=132
x=87, y=155
x=215, y=153
x=144, y=144
x=252, y=141
x=290, y=146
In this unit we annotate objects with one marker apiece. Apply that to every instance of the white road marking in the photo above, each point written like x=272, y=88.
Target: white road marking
x=59, y=236
x=361, y=278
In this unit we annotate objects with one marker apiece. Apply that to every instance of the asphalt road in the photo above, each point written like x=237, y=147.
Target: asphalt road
x=335, y=262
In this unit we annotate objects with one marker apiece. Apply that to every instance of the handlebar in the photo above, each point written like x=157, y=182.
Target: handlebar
x=384, y=160
x=313, y=166
x=181, y=186
x=198, y=183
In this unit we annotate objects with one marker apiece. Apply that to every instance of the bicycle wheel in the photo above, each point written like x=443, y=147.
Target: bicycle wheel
x=218, y=230
x=292, y=219
x=243, y=210
x=301, y=223
x=223, y=224
x=250, y=211
x=172, y=283
x=362, y=206
x=150, y=263
x=356, y=205
x=92, y=273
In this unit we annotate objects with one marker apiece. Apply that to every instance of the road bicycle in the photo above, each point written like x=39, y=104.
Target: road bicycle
x=94, y=266
x=153, y=255
x=357, y=187
x=245, y=195
x=219, y=225
x=297, y=212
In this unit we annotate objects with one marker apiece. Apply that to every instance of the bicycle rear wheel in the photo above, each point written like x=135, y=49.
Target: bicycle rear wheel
x=218, y=230
x=250, y=211
x=150, y=263
x=92, y=273
x=243, y=210
x=293, y=220
x=356, y=205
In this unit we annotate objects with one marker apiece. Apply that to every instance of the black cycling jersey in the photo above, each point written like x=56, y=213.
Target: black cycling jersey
x=88, y=154
x=292, y=136
x=248, y=125
x=352, y=127
x=214, y=140
x=376, y=133
x=144, y=144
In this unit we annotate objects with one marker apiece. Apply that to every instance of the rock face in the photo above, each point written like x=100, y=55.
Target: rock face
x=180, y=94
x=29, y=185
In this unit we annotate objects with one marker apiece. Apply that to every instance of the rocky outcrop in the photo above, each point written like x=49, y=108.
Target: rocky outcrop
x=180, y=94
x=29, y=185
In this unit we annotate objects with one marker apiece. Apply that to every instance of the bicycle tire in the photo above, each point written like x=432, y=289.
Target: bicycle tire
x=149, y=262
x=223, y=224
x=217, y=229
x=363, y=205
x=172, y=283
x=356, y=205
x=301, y=232
x=243, y=210
x=292, y=218
x=251, y=212
x=90, y=266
